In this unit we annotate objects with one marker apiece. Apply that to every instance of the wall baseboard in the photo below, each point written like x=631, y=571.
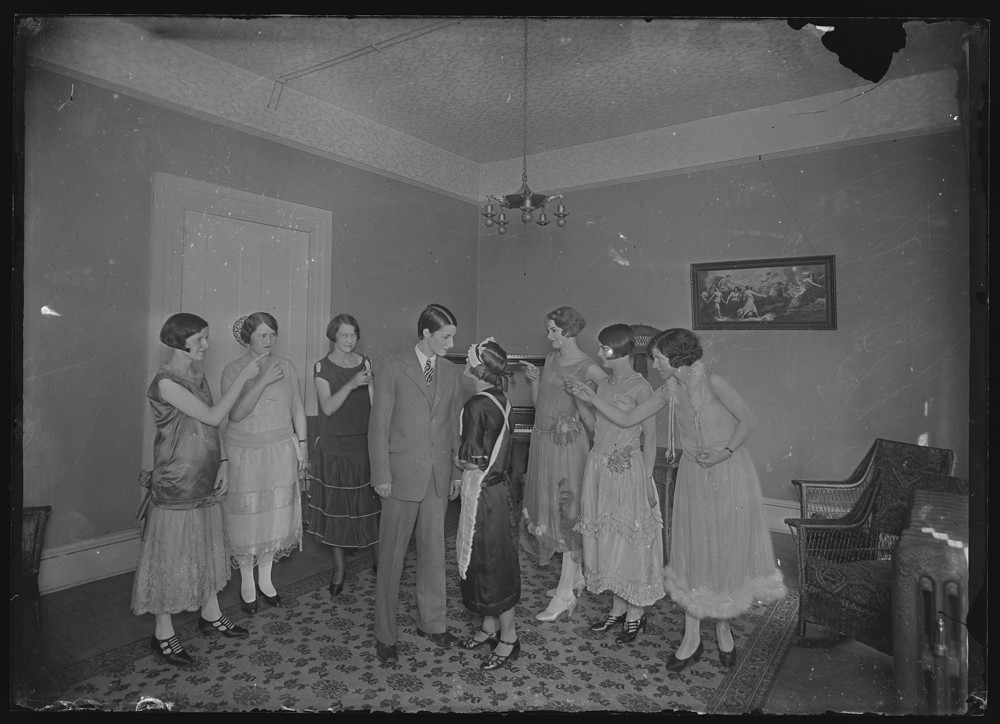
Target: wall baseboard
x=88, y=560
x=97, y=558
x=776, y=510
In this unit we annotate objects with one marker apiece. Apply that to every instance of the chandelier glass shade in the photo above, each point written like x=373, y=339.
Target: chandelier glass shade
x=526, y=201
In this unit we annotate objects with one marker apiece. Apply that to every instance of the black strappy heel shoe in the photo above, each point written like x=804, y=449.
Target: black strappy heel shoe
x=631, y=629
x=496, y=661
x=222, y=625
x=472, y=643
x=607, y=623
x=171, y=651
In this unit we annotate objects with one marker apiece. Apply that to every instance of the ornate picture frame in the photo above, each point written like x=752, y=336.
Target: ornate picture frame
x=788, y=293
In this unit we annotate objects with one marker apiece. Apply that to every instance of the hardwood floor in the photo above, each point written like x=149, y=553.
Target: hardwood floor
x=837, y=675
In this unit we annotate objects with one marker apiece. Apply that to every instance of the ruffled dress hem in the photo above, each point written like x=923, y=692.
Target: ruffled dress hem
x=704, y=603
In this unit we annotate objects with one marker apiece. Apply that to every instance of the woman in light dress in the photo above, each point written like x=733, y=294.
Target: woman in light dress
x=182, y=554
x=556, y=457
x=620, y=520
x=266, y=442
x=721, y=557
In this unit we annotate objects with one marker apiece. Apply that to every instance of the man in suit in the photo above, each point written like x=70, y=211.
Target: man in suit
x=412, y=443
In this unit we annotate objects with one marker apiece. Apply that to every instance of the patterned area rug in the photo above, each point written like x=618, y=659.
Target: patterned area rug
x=317, y=653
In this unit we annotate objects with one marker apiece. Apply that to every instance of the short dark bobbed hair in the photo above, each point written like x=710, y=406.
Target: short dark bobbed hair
x=334, y=326
x=433, y=318
x=680, y=346
x=250, y=324
x=179, y=327
x=494, y=365
x=570, y=321
x=619, y=337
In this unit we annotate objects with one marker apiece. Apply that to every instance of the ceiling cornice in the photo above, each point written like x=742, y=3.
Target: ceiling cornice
x=117, y=55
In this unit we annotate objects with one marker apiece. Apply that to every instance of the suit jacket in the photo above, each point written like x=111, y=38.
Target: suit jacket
x=411, y=437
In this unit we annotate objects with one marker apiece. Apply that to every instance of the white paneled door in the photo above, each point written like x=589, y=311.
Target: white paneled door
x=222, y=253
x=233, y=267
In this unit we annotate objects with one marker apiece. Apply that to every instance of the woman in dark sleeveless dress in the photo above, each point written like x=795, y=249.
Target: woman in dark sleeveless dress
x=343, y=508
x=182, y=555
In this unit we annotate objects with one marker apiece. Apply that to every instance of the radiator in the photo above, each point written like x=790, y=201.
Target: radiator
x=930, y=604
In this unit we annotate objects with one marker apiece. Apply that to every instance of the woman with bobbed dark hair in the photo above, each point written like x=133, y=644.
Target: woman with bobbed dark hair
x=486, y=542
x=620, y=521
x=721, y=557
x=343, y=507
x=182, y=555
x=556, y=456
x=268, y=451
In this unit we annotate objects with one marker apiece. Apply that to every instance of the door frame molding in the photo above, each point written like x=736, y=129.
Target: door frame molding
x=172, y=197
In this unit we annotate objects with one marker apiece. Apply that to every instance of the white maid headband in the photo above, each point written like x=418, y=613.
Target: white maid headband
x=474, y=350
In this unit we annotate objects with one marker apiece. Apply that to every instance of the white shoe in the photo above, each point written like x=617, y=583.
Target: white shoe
x=579, y=586
x=557, y=605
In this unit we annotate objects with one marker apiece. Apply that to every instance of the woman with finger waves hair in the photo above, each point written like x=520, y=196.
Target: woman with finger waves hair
x=486, y=543
x=557, y=453
x=721, y=557
x=182, y=554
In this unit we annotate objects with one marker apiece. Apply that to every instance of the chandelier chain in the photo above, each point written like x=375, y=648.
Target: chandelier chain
x=524, y=125
x=524, y=201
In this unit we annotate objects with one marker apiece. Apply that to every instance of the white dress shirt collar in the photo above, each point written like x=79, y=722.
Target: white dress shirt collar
x=423, y=358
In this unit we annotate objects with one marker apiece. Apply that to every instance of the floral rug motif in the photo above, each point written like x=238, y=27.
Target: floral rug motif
x=317, y=653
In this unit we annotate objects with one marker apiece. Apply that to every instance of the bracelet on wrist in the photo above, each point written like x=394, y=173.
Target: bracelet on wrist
x=224, y=460
x=729, y=450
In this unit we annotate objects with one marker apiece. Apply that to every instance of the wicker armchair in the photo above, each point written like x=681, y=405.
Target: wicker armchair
x=845, y=562
x=836, y=498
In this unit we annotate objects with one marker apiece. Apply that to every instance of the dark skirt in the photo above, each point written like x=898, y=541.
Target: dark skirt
x=493, y=579
x=343, y=509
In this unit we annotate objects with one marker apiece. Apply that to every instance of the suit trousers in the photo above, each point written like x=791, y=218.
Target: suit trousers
x=399, y=519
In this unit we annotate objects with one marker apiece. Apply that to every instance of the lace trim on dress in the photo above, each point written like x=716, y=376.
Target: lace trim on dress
x=275, y=551
x=260, y=501
x=635, y=532
x=637, y=593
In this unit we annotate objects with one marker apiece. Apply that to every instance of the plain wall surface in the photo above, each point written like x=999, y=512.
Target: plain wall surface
x=87, y=196
x=893, y=213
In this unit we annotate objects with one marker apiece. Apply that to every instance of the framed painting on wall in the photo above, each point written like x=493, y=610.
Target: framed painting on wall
x=790, y=293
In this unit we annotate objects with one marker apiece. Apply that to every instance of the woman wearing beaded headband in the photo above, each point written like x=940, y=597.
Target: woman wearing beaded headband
x=266, y=443
x=721, y=557
x=486, y=543
x=556, y=457
x=620, y=521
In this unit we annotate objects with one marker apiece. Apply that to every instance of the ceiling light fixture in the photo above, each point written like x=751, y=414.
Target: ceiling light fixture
x=526, y=201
